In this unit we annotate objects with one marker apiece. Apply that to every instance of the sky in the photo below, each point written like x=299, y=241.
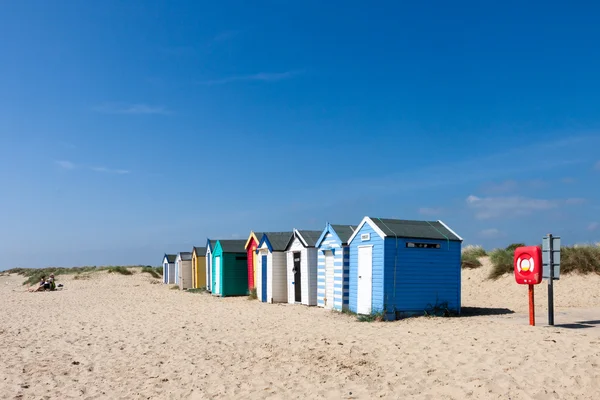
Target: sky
x=133, y=129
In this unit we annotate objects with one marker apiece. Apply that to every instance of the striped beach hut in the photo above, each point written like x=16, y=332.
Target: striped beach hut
x=333, y=264
x=271, y=282
x=251, y=245
x=230, y=268
x=210, y=245
x=183, y=270
x=169, y=268
x=199, y=267
x=301, y=255
x=404, y=267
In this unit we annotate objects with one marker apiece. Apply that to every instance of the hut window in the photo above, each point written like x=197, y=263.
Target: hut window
x=415, y=245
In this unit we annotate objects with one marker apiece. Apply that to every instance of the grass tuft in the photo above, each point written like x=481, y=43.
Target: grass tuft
x=151, y=271
x=502, y=262
x=174, y=287
x=119, y=270
x=375, y=316
x=470, y=256
x=583, y=259
x=252, y=295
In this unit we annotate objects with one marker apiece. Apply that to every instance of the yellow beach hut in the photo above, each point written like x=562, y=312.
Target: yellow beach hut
x=199, y=267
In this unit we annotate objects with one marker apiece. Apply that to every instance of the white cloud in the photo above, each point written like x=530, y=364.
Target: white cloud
x=65, y=164
x=497, y=207
x=491, y=233
x=593, y=226
x=261, y=76
x=132, y=109
x=430, y=211
x=110, y=171
x=574, y=201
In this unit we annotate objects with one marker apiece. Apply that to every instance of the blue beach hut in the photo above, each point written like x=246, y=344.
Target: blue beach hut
x=333, y=265
x=404, y=266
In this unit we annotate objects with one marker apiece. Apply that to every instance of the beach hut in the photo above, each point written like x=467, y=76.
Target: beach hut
x=271, y=282
x=183, y=270
x=210, y=245
x=404, y=266
x=302, y=267
x=199, y=267
x=333, y=264
x=251, y=245
x=169, y=268
x=230, y=268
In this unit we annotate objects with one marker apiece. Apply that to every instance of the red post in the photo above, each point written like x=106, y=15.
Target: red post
x=531, y=307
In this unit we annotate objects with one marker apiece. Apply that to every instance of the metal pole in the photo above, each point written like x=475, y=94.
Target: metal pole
x=550, y=281
x=531, y=307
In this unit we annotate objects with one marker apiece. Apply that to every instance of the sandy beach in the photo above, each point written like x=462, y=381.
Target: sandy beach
x=127, y=337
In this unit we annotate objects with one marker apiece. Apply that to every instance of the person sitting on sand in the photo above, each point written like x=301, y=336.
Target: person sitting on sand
x=40, y=287
x=50, y=283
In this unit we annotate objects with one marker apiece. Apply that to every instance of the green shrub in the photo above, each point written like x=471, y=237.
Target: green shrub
x=252, y=295
x=512, y=247
x=151, y=271
x=197, y=290
x=374, y=316
x=584, y=259
x=502, y=262
x=119, y=270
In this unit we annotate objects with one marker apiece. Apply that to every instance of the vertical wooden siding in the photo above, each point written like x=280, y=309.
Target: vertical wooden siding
x=378, y=269
x=422, y=276
x=341, y=265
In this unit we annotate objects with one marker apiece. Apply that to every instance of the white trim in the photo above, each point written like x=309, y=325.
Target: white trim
x=447, y=227
x=365, y=245
x=296, y=231
x=371, y=224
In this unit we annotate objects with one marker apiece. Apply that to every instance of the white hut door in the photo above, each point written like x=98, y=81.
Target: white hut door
x=328, y=279
x=217, y=288
x=365, y=280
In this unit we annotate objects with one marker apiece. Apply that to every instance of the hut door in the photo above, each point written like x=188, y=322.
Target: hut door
x=263, y=279
x=209, y=273
x=365, y=271
x=217, y=288
x=297, y=278
x=328, y=279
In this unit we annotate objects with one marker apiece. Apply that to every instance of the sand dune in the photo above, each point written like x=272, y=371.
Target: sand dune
x=121, y=337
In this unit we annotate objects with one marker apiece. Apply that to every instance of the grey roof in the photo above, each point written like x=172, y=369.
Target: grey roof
x=279, y=240
x=344, y=231
x=310, y=237
x=170, y=257
x=200, y=250
x=233, y=246
x=415, y=229
x=186, y=256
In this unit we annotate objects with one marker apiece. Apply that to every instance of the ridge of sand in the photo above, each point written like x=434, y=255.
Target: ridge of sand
x=120, y=337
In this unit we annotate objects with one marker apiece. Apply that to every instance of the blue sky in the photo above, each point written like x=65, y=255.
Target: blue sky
x=131, y=129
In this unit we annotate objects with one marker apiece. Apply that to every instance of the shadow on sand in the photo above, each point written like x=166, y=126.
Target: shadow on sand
x=480, y=311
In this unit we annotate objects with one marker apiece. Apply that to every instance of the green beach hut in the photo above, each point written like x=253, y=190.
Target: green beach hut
x=230, y=268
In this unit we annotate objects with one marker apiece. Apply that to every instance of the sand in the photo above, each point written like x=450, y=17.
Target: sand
x=124, y=337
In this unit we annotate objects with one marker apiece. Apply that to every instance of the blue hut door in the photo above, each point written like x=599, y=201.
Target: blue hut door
x=264, y=279
x=365, y=281
x=329, y=279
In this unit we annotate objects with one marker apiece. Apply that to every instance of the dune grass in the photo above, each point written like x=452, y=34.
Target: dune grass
x=470, y=256
x=583, y=259
x=34, y=275
x=152, y=271
x=119, y=270
x=252, y=295
x=502, y=261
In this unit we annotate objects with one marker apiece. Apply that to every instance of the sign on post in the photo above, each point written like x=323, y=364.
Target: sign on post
x=548, y=243
x=551, y=259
